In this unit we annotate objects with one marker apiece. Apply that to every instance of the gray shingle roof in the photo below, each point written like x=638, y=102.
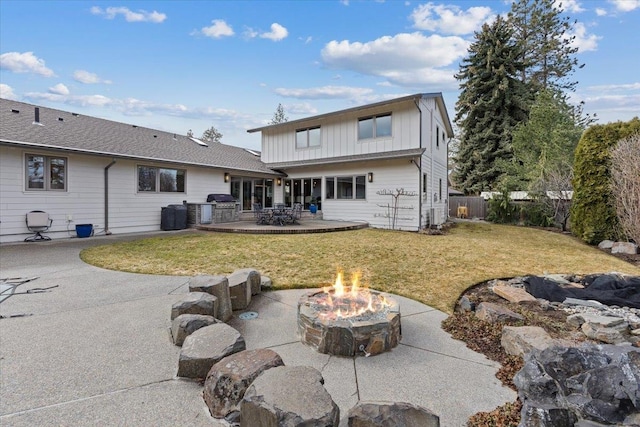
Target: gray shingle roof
x=67, y=131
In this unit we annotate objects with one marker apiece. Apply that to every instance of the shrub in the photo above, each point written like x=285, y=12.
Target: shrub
x=593, y=216
x=537, y=214
x=501, y=209
x=625, y=184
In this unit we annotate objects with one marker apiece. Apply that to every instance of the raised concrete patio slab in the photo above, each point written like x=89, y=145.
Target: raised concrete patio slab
x=96, y=350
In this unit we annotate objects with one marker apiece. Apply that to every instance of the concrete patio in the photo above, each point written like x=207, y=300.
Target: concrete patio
x=95, y=349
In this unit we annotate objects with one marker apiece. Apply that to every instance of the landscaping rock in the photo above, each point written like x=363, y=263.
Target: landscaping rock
x=240, y=290
x=491, y=312
x=513, y=294
x=289, y=396
x=583, y=303
x=195, y=303
x=465, y=304
x=265, y=283
x=217, y=286
x=624, y=248
x=249, y=275
x=605, y=335
x=519, y=340
x=561, y=386
x=186, y=324
x=228, y=379
x=386, y=414
x=606, y=244
x=207, y=346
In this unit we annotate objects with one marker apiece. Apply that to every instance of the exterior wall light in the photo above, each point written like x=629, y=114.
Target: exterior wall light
x=279, y=182
x=370, y=177
x=227, y=177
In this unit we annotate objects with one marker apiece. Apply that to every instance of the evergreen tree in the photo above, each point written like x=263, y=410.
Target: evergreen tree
x=547, y=54
x=492, y=101
x=279, y=116
x=546, y=142
x=211, y=135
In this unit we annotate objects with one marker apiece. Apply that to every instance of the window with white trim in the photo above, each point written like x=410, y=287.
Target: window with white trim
x=346, y=187
x=437, y=137
x=374, y=127
x=160, y=180
x=309, y=137
x=47, y=173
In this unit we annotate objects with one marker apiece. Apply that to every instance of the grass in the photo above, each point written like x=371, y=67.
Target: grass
x=432, y=269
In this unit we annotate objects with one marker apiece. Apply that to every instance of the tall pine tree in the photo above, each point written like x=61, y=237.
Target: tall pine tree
x=544, y=37
x=492, y=102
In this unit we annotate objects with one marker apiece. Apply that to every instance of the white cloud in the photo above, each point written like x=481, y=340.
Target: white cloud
x=569, y=5
x=626, y=5
x=249, y=33
x=600, y=12
x=306, y=40
x=59, y=89
x=610, y=102
x=609, y=88
x=302, y=109
x=6, y=92
x=325, y=92
x=583, y=41
x=25, y=62
x=450, y=19
x=219, y=29
x=404, y=59
x=86, y=77
x=277, y=33
x=129, y=15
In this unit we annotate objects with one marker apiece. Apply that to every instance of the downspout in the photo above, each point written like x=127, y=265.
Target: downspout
x=106, y=197
x=420, y=180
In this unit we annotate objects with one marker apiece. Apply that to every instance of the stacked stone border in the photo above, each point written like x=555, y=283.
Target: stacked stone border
x=254, y=387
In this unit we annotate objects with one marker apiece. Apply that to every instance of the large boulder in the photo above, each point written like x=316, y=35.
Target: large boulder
x=240, y=287
x=218, y=286
x=596, y=383
x=391, y=414
x=207, y=346
x=186, y=324
x=519, y=340
x=628, y=248
x=289, y=396
x=195, y=303
x=228, y=379
x=492, y=312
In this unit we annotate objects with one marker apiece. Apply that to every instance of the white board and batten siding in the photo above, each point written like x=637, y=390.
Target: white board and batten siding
x=83, y=200
x=339, y=136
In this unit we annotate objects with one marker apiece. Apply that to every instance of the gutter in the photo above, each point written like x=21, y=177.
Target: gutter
x=106, y=197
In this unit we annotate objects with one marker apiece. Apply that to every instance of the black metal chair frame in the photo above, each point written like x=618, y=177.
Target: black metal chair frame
x=38, y=222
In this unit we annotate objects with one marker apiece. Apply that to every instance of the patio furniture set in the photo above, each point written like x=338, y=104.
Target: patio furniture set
x=278, y=215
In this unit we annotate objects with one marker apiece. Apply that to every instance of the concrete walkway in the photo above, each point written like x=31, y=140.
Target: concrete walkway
x=95, y=350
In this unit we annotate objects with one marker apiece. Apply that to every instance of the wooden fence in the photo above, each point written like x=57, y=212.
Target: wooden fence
x=476, y=207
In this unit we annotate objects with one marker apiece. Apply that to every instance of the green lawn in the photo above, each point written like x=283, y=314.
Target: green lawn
x=432, y=269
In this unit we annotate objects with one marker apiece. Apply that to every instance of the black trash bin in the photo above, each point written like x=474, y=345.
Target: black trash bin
x=168, y=218
x=173, y=217
x=180, y=216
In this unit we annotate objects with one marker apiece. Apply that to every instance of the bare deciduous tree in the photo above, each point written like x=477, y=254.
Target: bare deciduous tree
x=555, y=192
x=625, y=184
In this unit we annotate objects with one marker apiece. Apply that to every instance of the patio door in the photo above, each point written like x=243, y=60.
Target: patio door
x=304, y=191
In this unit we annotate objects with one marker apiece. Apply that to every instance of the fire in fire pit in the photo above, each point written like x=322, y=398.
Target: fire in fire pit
x=349, y=320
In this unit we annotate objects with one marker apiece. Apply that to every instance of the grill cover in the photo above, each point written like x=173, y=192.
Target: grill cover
x=220, y=198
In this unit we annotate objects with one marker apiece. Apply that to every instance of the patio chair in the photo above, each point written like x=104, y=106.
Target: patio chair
x=260, y=215
x=294, y=214
x=38, y=222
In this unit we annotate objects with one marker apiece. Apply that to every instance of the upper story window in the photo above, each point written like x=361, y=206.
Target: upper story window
x=46, y=172
x=309, y=137
x=163, y=180
x=374, y=127
x=437, y=137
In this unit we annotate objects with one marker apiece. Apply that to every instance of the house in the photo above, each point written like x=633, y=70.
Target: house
x=383, y=163
x=116, y=176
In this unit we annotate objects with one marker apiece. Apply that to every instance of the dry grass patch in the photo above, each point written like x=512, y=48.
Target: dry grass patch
x=432, y=269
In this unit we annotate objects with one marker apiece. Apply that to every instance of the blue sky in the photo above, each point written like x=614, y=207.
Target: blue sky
x=180, y=65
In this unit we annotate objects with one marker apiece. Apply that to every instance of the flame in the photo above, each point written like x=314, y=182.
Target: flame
x=340, y=301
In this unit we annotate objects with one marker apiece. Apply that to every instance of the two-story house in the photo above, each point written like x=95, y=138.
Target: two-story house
x=383, y=163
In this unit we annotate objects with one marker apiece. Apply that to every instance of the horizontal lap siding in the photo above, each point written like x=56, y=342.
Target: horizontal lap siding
x=129, y=211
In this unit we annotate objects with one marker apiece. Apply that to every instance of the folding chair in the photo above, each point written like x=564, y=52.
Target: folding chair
x=38, y=222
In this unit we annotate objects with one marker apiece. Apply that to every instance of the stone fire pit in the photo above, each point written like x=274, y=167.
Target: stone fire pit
x=328, y=330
